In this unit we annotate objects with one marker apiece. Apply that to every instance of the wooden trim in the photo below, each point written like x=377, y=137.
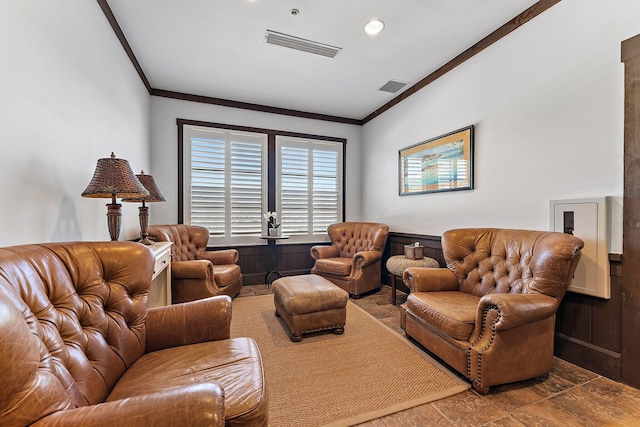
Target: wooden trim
x=271, y=158
x=631, y=215
x=597, y=359
x=630, y=48
x=507, y=28
x=180, y=173
x=123, y=41
x=182, y=122
x=254, y=107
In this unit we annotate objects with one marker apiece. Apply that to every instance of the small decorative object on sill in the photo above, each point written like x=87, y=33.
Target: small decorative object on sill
x=414, y=251
x=272, y=223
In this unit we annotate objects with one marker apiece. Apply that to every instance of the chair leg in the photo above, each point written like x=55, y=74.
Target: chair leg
x=481, y=390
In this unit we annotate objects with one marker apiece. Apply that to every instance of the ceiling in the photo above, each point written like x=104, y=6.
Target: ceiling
x=216, y=48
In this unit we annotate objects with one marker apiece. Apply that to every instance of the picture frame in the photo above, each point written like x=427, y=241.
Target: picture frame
x=444, y=163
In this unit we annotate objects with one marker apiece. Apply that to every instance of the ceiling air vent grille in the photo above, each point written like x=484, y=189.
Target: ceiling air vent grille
x=304, y=45
x=393, y=86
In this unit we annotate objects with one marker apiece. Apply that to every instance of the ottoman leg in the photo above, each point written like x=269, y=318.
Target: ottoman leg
x=295, y=337
x=338, y=331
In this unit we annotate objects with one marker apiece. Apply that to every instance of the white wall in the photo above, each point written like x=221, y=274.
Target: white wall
x=68, y=96
x=547, y=105
x=164, y=136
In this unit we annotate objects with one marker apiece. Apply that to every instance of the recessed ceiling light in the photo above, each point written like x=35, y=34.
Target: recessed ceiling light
x=373, y=27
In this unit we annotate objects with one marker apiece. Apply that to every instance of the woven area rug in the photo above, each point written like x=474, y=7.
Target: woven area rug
x=339, y=380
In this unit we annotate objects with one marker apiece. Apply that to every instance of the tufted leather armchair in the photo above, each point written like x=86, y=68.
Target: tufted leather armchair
x=353, y=261
x=78, y=346
x=195, y=272
x=491, y=313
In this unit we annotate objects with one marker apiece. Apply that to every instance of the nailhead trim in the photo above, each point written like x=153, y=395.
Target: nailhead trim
x=492, y=337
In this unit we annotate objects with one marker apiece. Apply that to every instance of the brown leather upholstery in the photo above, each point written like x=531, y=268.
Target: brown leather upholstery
x=353, y=261
x=310, y=303
x=79, y=348
x=491, y=313
x=195, y=272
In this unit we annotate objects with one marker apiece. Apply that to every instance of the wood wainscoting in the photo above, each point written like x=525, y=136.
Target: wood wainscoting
x=290, y=260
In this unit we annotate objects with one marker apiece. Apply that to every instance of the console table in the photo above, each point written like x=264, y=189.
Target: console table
x=160, y=290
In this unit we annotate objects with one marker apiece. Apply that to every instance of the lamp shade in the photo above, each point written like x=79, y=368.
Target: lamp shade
x=113, y=178
x=155, y=195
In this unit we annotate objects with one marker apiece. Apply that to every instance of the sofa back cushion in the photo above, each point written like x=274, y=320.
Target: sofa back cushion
x=72, y=320
x=353, y=237
x=189, y=241
x=487, y=260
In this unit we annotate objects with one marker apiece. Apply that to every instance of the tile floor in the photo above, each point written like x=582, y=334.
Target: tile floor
x=567, y=396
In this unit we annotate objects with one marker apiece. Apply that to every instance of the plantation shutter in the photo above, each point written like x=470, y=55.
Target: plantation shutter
x=309, y=188
x=226, y=189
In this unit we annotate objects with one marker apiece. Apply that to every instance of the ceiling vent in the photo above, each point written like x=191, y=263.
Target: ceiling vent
x=297, y=43
x=392, y=86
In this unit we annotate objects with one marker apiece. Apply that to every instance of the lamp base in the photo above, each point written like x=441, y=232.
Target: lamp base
x=143, y=214
x=114, y=215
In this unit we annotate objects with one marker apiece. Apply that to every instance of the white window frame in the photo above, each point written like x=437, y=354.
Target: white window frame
x=228, y=239
x=310, y=144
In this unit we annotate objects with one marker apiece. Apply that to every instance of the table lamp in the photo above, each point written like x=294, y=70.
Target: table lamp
x=113, y=178
x=154, y=196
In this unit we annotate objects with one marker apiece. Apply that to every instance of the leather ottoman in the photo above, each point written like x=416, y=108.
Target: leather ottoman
x=310, y=303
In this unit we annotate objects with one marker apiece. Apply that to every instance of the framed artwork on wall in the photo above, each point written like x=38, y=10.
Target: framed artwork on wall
x=444, y=163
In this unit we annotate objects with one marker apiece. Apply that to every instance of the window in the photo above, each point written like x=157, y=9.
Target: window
x=230, y=176
x=225, y=185
x=309, y=186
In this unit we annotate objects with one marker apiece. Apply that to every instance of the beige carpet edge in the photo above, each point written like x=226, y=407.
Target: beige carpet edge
x=404, y=340
x=363, y=418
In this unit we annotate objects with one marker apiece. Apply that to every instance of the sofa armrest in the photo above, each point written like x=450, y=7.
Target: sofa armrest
x=324, y=251
x=364, y=258
x=425, y=279
x=193, y=269
x=191, y=322
x=221, y=257
x=515, y=309
x=193, y=405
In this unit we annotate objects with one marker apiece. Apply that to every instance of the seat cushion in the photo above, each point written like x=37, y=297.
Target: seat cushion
x=335, y=266
x=453, y=313
x=235, y=364
x=225, y=274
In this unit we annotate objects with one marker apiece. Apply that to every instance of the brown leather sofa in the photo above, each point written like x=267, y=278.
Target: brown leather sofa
x=195, y=272
x=353, y=261
x=78, y=346
x=491, y=313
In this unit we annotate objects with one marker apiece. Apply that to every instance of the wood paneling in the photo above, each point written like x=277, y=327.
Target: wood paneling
x=631, y=214
x=588, y=329
x=290, y=259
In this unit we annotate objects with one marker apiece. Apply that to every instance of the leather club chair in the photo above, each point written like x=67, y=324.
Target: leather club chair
x=195, y=272
x=491, y=313
x=353, y=261
x=78, y=346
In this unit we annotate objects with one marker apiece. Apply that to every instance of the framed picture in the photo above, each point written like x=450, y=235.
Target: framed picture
x=444, y=163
